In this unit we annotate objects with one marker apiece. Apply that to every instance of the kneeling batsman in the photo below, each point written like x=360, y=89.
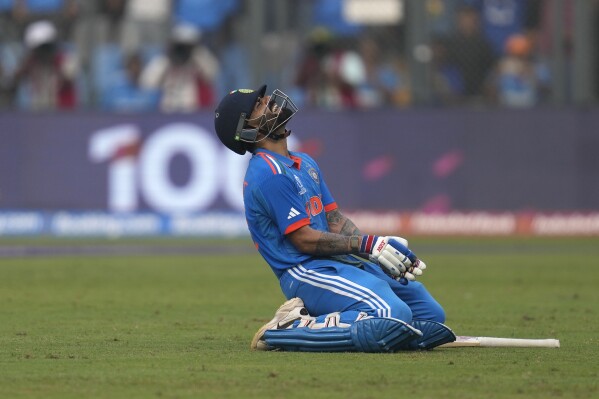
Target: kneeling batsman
x=293, y=329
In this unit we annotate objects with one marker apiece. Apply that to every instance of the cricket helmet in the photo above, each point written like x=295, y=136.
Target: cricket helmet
x=232, y=115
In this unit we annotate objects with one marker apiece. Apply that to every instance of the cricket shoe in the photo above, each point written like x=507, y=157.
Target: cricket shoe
x=287, y=314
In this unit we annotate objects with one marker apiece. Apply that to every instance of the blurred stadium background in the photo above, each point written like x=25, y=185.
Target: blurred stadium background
x=434, y=117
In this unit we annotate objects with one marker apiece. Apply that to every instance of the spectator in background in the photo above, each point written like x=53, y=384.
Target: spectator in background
x=441, y=15
x=125, y=93
x=330, y=72
x=471, y=54
x=185, y=74
x=500, y=19
x=46, y=78
x=386, y=80
x=447, y=80
x=310, y=76
x=520, y=81
x=345, y=72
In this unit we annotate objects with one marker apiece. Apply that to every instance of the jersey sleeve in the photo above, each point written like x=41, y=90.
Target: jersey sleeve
x=286, y=206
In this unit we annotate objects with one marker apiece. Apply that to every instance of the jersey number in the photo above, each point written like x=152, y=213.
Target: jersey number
x=314, y=206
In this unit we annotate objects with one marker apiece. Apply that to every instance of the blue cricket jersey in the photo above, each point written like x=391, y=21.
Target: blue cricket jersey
x=282, y=195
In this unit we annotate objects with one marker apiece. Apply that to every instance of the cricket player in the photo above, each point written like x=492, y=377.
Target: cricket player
x=346, y=290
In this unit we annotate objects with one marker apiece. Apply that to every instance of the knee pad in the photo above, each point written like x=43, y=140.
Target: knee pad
x=376, y=334
x=382, y=334
x=433, y=335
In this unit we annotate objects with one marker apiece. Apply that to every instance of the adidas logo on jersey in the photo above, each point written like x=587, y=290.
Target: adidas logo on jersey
x=292, y=213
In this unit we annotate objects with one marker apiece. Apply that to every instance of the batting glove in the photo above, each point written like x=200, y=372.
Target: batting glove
x=394, y=256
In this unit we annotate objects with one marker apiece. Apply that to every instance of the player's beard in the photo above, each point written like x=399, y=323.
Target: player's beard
x=283, y=116
x=277, y=123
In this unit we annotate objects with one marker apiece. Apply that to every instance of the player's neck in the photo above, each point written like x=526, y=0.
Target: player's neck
x=278, y=147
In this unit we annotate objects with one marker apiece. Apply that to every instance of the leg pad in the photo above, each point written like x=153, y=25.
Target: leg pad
x=366, y=335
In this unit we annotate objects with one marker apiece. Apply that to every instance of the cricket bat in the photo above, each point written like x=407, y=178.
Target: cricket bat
x=488, y=342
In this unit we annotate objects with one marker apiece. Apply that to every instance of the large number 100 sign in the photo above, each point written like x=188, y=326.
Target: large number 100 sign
x=139, y=169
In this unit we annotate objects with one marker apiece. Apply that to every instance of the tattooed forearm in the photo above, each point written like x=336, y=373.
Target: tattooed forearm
x=334, y=217
x=336, y=244
x=340, y=224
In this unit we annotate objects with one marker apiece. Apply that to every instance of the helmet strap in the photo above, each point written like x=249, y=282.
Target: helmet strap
x=281, y=136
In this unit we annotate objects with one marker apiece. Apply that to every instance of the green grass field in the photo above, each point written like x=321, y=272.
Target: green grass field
x=179, y=326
